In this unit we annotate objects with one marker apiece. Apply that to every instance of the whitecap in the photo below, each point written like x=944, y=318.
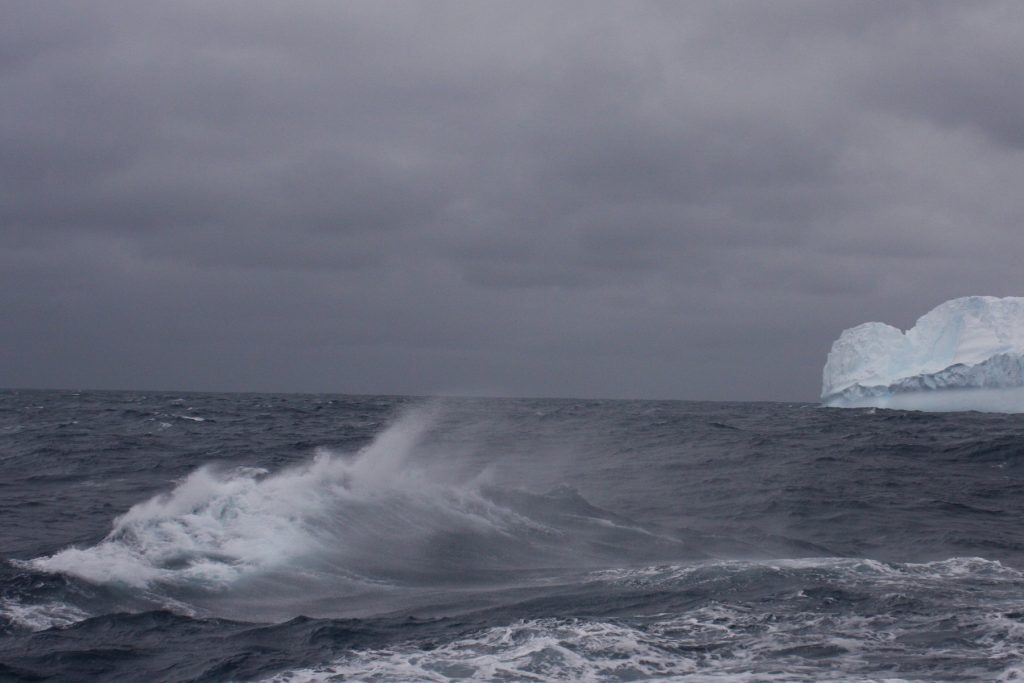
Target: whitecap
x=39, y=617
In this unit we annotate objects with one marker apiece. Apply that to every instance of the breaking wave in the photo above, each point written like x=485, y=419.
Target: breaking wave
x=342, y=525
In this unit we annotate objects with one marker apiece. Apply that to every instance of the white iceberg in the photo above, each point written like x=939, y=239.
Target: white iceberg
x=966, y=354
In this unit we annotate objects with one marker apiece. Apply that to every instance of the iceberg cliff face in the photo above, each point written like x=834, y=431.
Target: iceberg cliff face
x=971, y=343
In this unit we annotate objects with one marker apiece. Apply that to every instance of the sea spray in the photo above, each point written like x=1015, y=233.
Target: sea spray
x=342, y=525
x=218, y=525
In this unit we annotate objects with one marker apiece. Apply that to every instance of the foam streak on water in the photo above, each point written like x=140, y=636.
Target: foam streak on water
x=804, y=634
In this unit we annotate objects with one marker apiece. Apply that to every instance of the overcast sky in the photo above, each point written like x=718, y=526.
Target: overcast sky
x=596, y=199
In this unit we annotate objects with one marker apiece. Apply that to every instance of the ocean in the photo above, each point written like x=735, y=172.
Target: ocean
x=165, y=536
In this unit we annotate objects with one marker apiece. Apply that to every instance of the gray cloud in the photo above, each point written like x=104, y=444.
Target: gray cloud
x=612, y=199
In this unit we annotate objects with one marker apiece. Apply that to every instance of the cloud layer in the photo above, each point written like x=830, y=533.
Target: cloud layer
x=678, y=200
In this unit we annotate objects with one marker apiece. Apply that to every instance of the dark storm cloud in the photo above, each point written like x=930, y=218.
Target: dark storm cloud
x=620, y=199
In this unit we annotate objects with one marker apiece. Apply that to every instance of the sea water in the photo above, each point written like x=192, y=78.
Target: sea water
x=252, y=537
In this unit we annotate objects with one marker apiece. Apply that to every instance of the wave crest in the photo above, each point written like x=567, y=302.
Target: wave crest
x=389, y=516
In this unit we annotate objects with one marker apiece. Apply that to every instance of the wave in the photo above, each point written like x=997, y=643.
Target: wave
x=389, y=516
x=829, y=619
x=810, y=619
x=38, y=617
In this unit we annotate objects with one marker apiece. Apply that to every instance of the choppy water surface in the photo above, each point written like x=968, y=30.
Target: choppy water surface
x=216, y=537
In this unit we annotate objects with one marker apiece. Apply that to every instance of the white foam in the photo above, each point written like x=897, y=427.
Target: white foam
x=40, y=617
x=531, y=650
x=720, y=641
